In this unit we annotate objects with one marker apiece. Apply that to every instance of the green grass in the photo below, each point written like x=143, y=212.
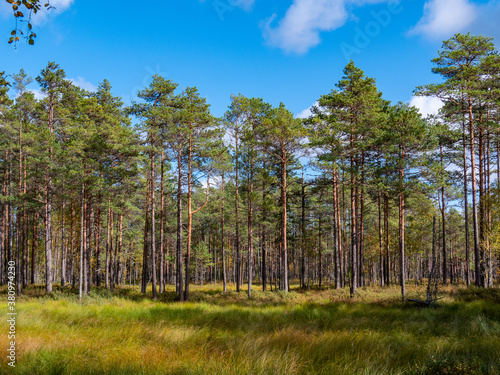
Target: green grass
x=303, y=332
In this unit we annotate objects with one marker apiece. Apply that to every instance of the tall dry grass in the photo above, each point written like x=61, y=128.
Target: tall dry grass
x=303, y=332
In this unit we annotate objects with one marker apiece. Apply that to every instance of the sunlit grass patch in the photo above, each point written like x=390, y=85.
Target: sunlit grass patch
x=317, y=331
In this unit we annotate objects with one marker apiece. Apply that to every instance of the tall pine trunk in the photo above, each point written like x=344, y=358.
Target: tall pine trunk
x=402, y=265
x=178, y=248
x=474, y=196
x=466, y=207
x=162, y=224
x=153, y=223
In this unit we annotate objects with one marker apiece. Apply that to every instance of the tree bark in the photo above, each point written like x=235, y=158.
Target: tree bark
x=178, y=249
x=474, y=197
x=443, y=219
x=466, y=207
x=237, y=223
x=223, y=239
x=284, y=223
x=354, y=224
x=162, y=224
x=402, y=265
x=153, y=223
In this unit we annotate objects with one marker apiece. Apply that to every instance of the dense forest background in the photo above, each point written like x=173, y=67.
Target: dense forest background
x=96, y=194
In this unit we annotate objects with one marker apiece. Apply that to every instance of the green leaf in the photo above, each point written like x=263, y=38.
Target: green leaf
x=31, y=42
x=13, y=32
x=15, y=7
x=11, y=39
x=29, y=26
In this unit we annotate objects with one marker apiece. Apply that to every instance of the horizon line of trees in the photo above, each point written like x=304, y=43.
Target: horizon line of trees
x=346, y=196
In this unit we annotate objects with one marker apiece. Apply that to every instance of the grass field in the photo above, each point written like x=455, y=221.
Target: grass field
x=304, y=332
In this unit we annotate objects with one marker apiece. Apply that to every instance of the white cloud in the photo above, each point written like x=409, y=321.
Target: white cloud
x=300, y=28
x=44, y=14
x=38, y=94
x=443, y=18
x=427, y=105
x=82, y=83
x=306, y=113
x=41, y=16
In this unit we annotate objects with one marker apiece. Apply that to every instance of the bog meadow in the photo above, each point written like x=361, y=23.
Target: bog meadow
x=157, y=235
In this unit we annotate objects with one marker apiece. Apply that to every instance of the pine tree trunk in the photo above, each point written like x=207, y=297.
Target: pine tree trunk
x=354, y=226
x=88, y=251
x=63, y=249
x=250, y=227
x=223, y=239
x=34, y=245
x=284, y=223
x=303, y=233
x=178, y=249
x=380, y=240
x=144, y=276
x=237, y=222
x=481, y=207
x=98, y=241
x=153, y=224
x=320, y=255
x=82, y=238
x=190, y=223
x=402, y=265
x=474, y=197
x=362, y=281
x=162, y=224
x=337, y=244
x=48, y=237
x=443, y=219
x=466, y=208
x=119, y=250
x=108, y=244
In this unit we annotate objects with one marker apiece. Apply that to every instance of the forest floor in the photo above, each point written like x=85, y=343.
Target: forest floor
x=316, y=331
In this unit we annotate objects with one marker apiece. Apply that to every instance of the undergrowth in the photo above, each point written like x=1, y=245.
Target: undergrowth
x=316, y=331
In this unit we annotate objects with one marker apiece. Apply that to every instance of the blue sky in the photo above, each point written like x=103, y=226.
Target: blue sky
x=290, y=51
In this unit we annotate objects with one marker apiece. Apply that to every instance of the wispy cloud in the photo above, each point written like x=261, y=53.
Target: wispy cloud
x=299, y=30
x=38, y=94
x=443, y=18
x=306, y=113
x=84, y=84
x=42, y=15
